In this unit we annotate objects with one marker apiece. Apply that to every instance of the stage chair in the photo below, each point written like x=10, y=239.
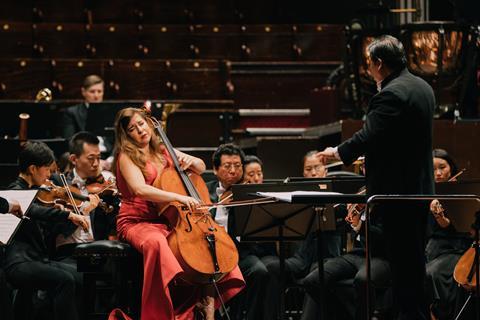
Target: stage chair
x=111, y=267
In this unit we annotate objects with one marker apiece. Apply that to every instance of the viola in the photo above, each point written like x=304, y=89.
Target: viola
x=202, y=247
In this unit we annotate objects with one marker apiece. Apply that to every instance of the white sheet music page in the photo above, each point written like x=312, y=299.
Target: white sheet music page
x=287, y=196
x=9, y=222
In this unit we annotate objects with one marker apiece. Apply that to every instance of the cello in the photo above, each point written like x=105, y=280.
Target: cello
x=203, y=248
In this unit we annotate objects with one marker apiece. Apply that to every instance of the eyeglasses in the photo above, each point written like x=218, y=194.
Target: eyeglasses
x=228, y=166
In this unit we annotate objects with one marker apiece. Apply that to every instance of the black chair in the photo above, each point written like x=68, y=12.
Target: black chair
x=111, y=277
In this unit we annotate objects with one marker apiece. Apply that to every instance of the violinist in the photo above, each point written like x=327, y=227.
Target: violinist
x=85, y=158
x=444, y=246
x=27, y=265
x=139, y=158
x=228, y=161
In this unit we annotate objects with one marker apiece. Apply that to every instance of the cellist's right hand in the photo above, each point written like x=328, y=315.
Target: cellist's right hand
x=190, y=202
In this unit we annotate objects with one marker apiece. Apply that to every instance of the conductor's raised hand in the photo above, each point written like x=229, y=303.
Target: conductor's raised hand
x=327, y=154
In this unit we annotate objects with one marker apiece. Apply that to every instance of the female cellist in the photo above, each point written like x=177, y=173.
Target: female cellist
x=444, y=246
x=139, y=158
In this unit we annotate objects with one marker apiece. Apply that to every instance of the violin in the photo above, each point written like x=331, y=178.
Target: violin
x=52, y=195
x=354, y=210
x=203, y=248
x=68, y=196
x=102, y=187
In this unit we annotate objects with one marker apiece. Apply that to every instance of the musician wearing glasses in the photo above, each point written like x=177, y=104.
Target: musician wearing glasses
x=228, y=162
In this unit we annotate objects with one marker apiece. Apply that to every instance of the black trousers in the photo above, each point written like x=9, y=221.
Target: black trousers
x=441, y=287
x=6, y=306
x=249, y=303
x=348, y=266
x=404, y=230
x=60, y=280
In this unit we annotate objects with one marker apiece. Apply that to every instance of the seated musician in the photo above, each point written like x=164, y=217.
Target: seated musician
x=228, y=162
x=351, y=266
x=141, y=157
x=85, y=158
x=252, y=169
x=75, y=117
x=305, y=256
x=27, y=265
x=444, y=247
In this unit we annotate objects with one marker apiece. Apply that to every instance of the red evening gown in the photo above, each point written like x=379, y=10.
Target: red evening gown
x=139, y=224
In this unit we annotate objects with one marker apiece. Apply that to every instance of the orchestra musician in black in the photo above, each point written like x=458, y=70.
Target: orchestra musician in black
x=444, y=246
x=27, y=264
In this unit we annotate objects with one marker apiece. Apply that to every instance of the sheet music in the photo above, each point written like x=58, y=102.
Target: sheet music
x=9, y=222
x=287, y=196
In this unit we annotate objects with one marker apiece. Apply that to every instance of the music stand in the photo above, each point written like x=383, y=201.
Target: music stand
x=281, y=221
x=322, y=200
x=9, y=224
x=342, y=184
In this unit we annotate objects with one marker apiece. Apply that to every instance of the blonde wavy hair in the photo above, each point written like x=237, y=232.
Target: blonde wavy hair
x=126, y=145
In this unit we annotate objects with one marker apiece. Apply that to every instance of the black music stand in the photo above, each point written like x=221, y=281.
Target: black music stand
x=321, y=200
x=9, y=224
x=281, y=221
